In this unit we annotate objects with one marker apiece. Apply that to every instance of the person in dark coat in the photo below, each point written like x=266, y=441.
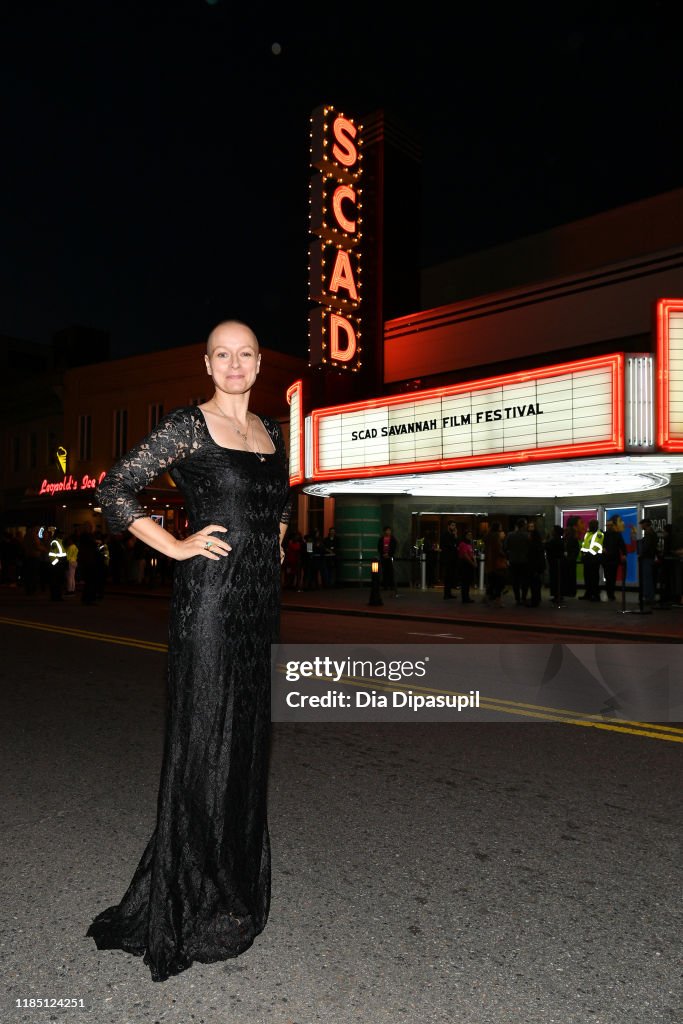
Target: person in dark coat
x=613, y=554
x=555, y=555
x=572, y=547
x=536, y=565
x=88, y=564
x=449, y=559
x=386, y=549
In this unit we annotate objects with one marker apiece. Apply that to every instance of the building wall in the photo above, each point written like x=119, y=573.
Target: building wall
x=585, y=285
x=610, y=307
x=628, y=232
x=171, y=378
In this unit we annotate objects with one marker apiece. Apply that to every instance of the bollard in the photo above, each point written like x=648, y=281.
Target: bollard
x=375, y=596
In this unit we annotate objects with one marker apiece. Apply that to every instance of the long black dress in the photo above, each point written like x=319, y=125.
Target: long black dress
x=201, y=891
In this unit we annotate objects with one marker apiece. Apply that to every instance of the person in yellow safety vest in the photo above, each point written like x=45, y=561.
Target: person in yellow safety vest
x=57, y=565
x=591, y=558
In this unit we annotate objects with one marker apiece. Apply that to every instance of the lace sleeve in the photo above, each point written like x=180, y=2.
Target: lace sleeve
x=171, y=441
x=277, y=437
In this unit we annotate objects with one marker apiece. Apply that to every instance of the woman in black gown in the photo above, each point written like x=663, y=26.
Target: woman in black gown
x=201, y=891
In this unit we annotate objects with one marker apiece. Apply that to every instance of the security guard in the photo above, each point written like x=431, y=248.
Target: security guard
x=591, y=557
x=57, y=565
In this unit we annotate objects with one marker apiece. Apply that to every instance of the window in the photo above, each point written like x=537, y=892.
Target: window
x=51, y=448
x=32, y=451
x=84, y=438
x=120, y=432
x=156, y=412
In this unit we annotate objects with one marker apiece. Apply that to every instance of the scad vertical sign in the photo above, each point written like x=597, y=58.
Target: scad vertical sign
x=335, y=269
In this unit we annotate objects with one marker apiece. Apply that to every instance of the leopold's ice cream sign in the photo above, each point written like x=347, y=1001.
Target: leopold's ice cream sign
x=334, y=276
x=70, y=483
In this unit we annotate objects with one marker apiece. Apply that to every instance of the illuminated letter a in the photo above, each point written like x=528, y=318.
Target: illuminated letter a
x=337, y=325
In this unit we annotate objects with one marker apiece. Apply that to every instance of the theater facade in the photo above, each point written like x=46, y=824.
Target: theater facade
x=550, y=386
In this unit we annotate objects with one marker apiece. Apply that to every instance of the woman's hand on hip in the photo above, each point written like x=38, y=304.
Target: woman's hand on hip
x=203, y=543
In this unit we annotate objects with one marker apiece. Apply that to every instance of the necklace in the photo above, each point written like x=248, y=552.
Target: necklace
x=244, y=434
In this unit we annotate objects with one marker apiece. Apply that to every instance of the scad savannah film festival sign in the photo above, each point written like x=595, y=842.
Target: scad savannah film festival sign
x=570, y=409
x=334, y=277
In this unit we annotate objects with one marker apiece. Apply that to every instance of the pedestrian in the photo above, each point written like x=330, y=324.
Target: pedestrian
x=613, y=554
x=591, y=558
x=672, y=550
x=57, y=565
x=293, y=562
x=102, y=563
x=330, y=557
x=536, y=565
x=516, y=547
x=386, y=549
x=495, y=564
x=88, y=564
x=572, y=549
x=555, y=556
x=34, y=551
x=71, y=564
x=467, y=565
x=313, y=560
x=201, y=891
x=647, y=554
x=449, y=559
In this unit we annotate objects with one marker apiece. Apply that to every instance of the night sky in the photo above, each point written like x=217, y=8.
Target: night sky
x=155, y=155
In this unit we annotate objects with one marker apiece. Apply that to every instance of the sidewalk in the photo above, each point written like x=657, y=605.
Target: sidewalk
x=612, y=619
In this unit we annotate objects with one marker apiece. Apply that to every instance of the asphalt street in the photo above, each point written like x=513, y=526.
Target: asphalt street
x=469, y=873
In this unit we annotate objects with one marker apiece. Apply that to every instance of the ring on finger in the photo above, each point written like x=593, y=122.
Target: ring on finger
x=208, y=545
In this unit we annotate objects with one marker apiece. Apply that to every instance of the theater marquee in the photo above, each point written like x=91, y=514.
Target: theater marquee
x=670, y=374
x=568, y=410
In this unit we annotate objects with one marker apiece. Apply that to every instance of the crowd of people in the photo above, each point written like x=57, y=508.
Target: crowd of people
x=311, y=560
x=523, y=562
x=83, y=562
x=520, y=561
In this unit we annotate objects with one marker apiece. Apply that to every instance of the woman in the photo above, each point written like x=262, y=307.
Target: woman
x=201, y=891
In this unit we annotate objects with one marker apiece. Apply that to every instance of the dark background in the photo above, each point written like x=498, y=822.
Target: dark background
x=155, y=155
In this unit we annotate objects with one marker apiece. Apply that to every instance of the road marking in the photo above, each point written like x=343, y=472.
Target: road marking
x=86, y=634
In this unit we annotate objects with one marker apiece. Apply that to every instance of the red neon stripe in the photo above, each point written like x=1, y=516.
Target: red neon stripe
x=664, y=439
x=294, y=389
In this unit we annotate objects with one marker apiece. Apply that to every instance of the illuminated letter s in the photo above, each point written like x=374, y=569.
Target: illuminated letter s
x=344, y=150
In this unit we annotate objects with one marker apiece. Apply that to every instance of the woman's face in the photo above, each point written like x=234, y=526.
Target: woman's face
x=233, y=359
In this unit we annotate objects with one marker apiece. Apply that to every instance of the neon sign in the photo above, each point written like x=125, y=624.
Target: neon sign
x=296, y=433
x=69, y=483
x=335, y=264
x=670, y=374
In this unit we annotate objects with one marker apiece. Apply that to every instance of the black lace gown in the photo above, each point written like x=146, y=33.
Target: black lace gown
x=201, y=891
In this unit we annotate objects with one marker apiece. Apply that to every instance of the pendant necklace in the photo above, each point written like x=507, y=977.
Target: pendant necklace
x=243, y=434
